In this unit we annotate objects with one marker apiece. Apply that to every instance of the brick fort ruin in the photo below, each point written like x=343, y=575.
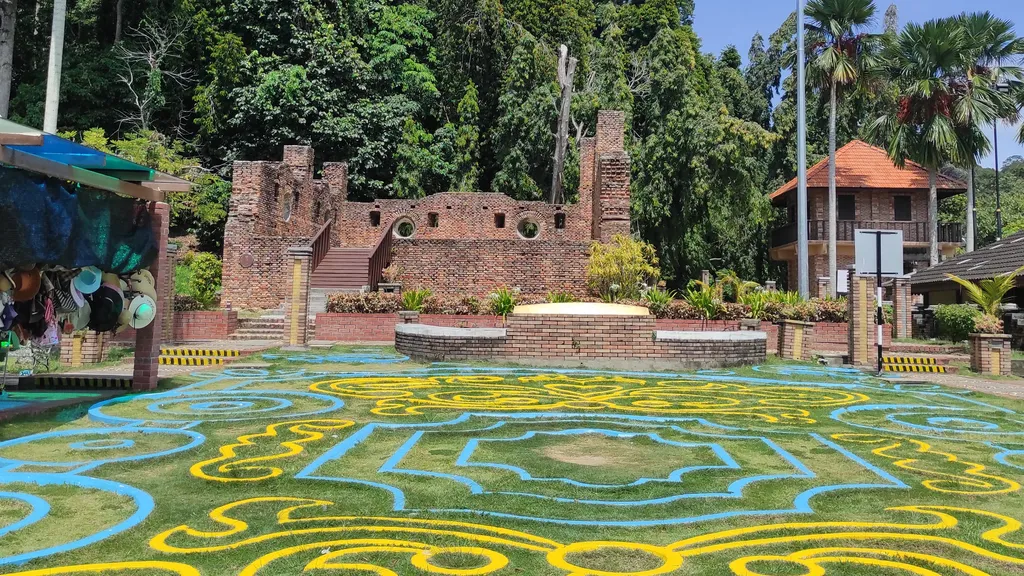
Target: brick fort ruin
x=452, y=243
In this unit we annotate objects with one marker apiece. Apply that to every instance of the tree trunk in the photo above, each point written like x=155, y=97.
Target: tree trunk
x=970, y=208
x=832, y=217
x=8, y=20
x=566, y=71
x=56, y=61
x=119, y=22
x=933, y=218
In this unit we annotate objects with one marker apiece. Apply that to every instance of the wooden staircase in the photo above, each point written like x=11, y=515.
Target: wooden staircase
x=342, y=269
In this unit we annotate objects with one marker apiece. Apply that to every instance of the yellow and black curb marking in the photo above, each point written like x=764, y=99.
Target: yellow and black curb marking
x=189, y=361
x=907, y=360
x=219, y=353
x=119, y=382
x=914, y=368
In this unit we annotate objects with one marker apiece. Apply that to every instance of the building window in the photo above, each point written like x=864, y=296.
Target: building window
x=375, y=218
x=846, y=207
x=528, y=229
x=901, y=208
x=404, y=228
x=432, y=219
x=559, y=220
x=499, y=220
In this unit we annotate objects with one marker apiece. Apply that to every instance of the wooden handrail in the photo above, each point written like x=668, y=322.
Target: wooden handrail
x=380, y=257
x=320, y=244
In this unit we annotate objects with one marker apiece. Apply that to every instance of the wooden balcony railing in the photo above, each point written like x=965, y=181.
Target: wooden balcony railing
x=817, y=230
x=320, y=244
x=380, y=258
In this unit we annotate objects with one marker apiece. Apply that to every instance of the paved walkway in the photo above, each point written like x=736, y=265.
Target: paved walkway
x=1008, y=387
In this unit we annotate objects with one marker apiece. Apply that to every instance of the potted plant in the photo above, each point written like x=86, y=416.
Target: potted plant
x=990, y=347
x=391, y=274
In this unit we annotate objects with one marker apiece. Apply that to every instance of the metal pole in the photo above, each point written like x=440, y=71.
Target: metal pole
x=803, y=279
x=999, y=206
x=880, y=319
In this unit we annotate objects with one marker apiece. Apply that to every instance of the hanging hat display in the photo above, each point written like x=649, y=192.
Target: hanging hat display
x=7, y=316
x=143, y=311
x=5, y=283
x=107, y=305
x=77, y=295
x=88, y=279
x=111, y=278
x=26, y=284
x=80, y=318
x=144, y=275
x=64, y=300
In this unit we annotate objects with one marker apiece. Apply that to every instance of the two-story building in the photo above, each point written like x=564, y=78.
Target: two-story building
x=871, y=193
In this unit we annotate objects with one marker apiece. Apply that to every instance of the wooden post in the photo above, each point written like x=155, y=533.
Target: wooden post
x=566, y=71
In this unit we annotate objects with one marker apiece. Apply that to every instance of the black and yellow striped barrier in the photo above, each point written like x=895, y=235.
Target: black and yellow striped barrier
x=90, y=382
x=189, y=361
x=907, y=360
x=914, y=368
x=217, y=353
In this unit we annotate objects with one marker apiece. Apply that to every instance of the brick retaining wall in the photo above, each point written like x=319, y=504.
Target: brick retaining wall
x=204, y=325
x=581, y=340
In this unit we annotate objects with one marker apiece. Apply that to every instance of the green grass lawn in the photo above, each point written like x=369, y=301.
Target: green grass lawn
x=352, y=461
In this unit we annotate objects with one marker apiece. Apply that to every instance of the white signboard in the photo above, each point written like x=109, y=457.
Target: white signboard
x=866, y=250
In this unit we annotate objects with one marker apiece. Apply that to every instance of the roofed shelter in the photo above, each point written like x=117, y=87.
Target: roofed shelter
x=1000, y=257
x=107, y=179
x=872, y=193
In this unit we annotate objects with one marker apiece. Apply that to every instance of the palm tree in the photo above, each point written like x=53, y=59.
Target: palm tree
x=841, y=55
x=990, y=44
x=988, y=294
x=922, y=62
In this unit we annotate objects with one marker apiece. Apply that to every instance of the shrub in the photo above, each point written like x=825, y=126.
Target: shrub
x=804, y=311
x=657, y=301
x=364, y=303
x=625, y=262
x=956, y=321
x=186, y=303
x=557, y=297
x=705, y=300
x=503, y=301
x=392, y=273
x=679, y=310
x=832, y=310
x=988, y=324
x=413, y=300
x=733, y=311
x=461, y=305
x=206, y=273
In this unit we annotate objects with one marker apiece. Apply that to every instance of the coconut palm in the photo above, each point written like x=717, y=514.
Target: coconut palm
x=991, y=46
x=922, y=61
x=841, y=56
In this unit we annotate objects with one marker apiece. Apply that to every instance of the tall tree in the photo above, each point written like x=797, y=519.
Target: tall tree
x=8, y=21
x=891, y=25
x=990, y=49
x=566, y=73
x=467, y=142
x=921, y=61
x=841, y=58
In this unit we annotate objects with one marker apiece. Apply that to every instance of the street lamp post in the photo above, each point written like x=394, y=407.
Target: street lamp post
x=1005, y=88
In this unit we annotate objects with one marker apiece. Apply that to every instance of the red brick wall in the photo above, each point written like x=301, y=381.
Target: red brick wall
x=461, y=215
x=477, y=267
x=381, y=327
x=204, y=325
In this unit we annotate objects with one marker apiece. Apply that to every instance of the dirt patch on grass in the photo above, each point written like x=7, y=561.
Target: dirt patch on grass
x=586, y=451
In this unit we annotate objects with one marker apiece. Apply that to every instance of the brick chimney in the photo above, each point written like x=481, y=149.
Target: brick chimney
x=611, y=194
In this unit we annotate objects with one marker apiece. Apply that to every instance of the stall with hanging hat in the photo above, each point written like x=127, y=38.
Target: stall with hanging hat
x=84, y=234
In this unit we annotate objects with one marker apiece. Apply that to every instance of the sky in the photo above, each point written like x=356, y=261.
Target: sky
x=723, y=22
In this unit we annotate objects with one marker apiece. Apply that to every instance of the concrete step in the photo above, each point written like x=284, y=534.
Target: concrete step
x=190, y=361
x=208, y=352
x=932, y=368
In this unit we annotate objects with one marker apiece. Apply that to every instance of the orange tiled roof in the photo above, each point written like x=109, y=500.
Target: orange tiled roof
x=861, y=165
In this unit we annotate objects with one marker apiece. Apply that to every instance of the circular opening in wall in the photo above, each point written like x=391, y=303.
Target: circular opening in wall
x=404, y=228
x=528, y=229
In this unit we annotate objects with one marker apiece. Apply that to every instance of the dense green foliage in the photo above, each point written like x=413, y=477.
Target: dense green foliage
x=954, y=322
x=437, y=95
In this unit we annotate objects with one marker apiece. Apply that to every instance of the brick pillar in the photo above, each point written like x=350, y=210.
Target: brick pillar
x=409, y=317
x=148, y=339
x=822, y=286
x=296, y=298
x=612, y=166
x=83, y=348
x=863, y=321
x=795, y=339
x=172, y=263
x=991, y=354
x=705, y=276
x=902, y=309
x=588, y=204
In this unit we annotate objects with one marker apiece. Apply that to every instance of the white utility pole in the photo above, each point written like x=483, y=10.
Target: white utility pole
x=801, y=158
x=60, y=8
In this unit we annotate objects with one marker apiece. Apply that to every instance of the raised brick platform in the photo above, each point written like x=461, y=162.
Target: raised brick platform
x=583, y=341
